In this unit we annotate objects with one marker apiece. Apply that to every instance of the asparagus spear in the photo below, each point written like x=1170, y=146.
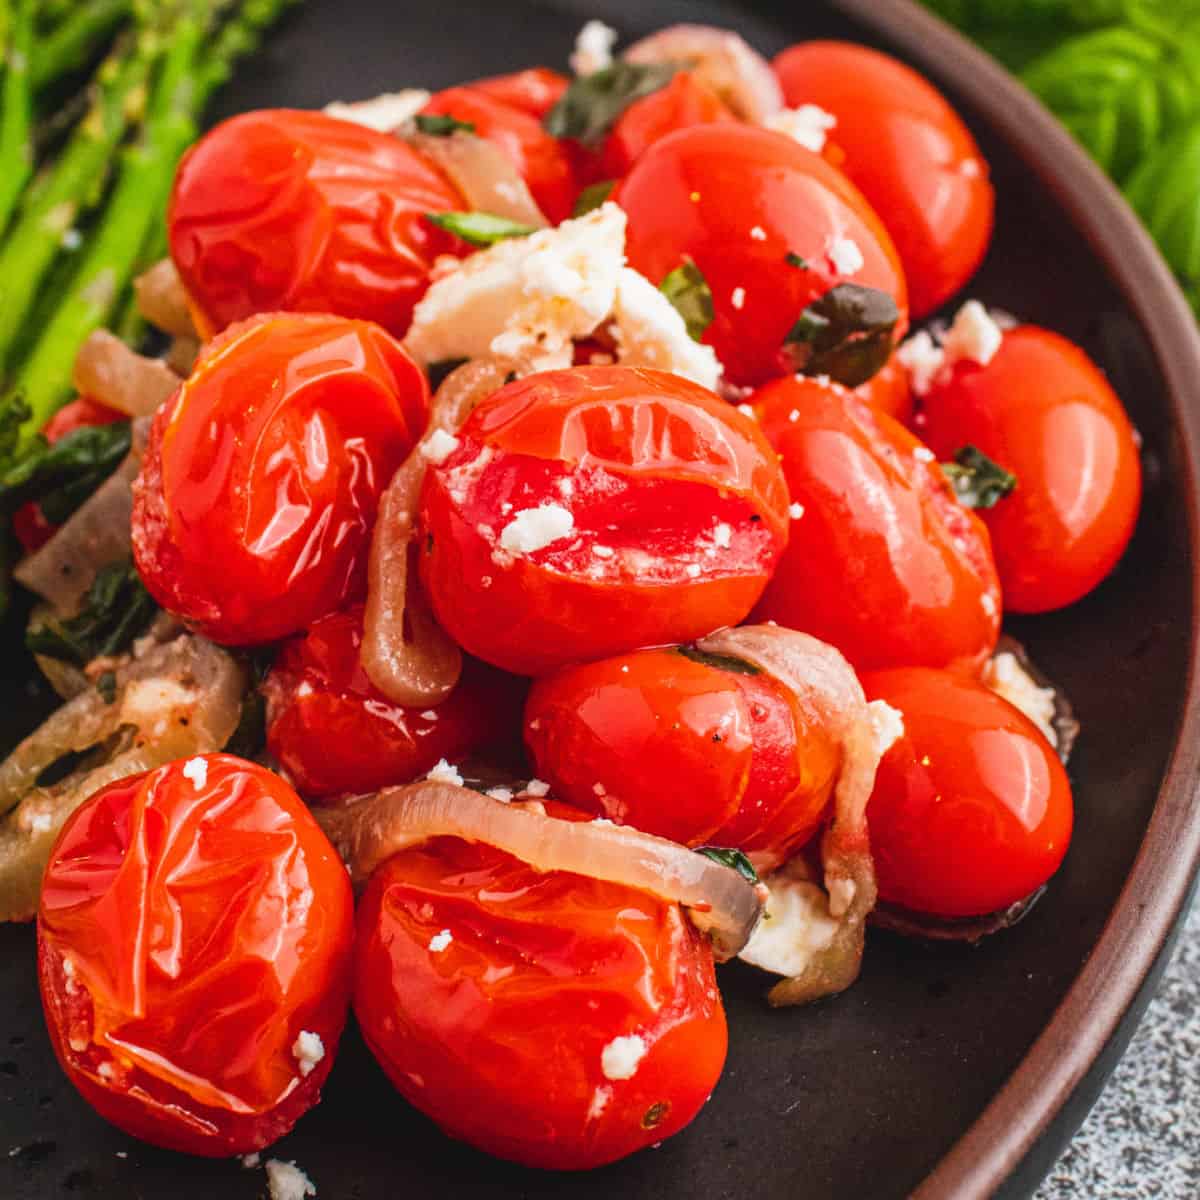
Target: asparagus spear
x=76, y=40
x=16, y=114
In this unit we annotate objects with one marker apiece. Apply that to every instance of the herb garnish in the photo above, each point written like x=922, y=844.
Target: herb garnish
x=480, y=228
x=691, y=297
x=978, y=482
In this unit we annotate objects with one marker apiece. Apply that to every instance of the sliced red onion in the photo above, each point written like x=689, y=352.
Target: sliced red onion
x=106, y=369
x=721, y=904
x=162, y=300
x=720, y=59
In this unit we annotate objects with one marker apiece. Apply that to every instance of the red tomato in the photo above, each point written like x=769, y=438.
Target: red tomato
x=535, y=90
x=540, y=159
x=333, y=732
x=737, y=201
x=910, y=154
x=29, y=522
x=1043, y=410
x=490, y=992
x=594, y=510
x=194, y=922
x=883, y=562
x=889, y=391
x=282, y=209
x=972, y=809
x=688, y=748
x=253, y=509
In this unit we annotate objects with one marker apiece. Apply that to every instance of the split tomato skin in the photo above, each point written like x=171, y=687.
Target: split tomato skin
x=335, y=733
x=972, y=809
x=253, y=509
x=736, y=201
x=283, y=209
x=679, y=492
x=884, y=562
x=194, y=921
x=908, y=152
x=1044, y=411
x=499, y=1036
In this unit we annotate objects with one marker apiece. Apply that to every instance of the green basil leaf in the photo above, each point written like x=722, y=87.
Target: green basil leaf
x=794, y=260
x=441, y=124
x=591, y=105
x=845, y=334
x=691, y=297
x=250, y=735
x=734, y=859
x=593, y=196
x=722, y=662
x=480, y=228
x=978, y=482
x=61, y=477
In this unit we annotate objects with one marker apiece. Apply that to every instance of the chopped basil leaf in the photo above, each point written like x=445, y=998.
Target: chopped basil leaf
x=794, y=260
x=734, y=859
x=441, y=124
x=590, y=107
x=692, y=298
x=722, y=662
x=845, y=334
x=978, y=482
x=106, y=685
x=593, y=196
x=480, y=228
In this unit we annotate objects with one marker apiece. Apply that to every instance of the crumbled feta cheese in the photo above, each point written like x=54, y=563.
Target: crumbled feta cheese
x=924, y=454
x=758, y=234
x=796, y=925
x=443, y=772
x=250, y=1161
x=383, y=113
x=536, y=787
x=693, y=570
x=1006, y=677
x=438, y=447
x=503, y=794
x=747, y=410
x=795, y=511
x=738, y=298
x=794, y=415
x=887, y=725
x=603, y=551
x=440, y=941
x=593, y=48
x=808, y=124
x=535, y=528
x=845, y=255
x=287, y=1182
x=620, y=1058
x=923, y=359
x=308, y=1050
x=723, y=535
x=973, y=336
x=196, y=769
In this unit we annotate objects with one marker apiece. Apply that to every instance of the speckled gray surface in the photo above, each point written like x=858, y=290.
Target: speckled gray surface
x=1142, y=1140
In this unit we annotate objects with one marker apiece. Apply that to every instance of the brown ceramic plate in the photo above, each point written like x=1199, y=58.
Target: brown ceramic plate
x=952, y=1072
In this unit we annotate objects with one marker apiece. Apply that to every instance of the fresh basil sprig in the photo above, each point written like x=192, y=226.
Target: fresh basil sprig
x=480, y=228
x=978, y=481
x=691, y=297
x=590, y=107
x=593, y=196
x=734, y=859
x=845, y=334
x=441, y=124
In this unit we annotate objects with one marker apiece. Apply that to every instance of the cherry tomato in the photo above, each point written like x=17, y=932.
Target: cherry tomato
x=333, y=732
x=194, y=923
x=544, y=1017
x=535, y=90
x=1044, y=411
x=683, y=745
x=254, y=505
x=737, y=201
x=281, y=209
x=971, y=810
x=889, y=391
x=541, y=160
x=595, y=510
x=883, y=561
x=909, y=153
x=29, y=522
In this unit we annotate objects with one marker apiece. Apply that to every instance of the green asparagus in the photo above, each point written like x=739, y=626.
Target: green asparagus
x=16, y=110
x=77, y=40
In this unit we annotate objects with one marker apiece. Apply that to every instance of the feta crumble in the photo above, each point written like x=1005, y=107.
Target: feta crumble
x=973, y=336
x=796, y=925
x=758, y=234
x=438, y=447
x=287, y=1182
x=382, y=113
x=251, y=1161
x=747, y=410
x=846, y=257
x=443, y=772
x=593, y=48
x=738, y=298
x=723, y=535
x=795, y=511
x=1007, y=678
x=693, y=570
x=808, y=124
x=923, y=359
x=308, y=1050
x=603, y=551
x=620, y=1058
x=196, y=769
x=887, y=725
x=535, y=528
x=503, y=794
x=536, y=787
x=440, y=941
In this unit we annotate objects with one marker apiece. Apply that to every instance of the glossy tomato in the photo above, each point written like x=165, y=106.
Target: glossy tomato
x=883, y=561
x=909, y=153
x=889, y=391
x=194, y=923
x=281, y=209
x=688, y=746
x=254, y=505
x=595, y=510
x=535, y=90
x=1044, y=411
x=772, y=228
x=541, y=160
x=971, y=810
x=334, y=732
x=544, y=1017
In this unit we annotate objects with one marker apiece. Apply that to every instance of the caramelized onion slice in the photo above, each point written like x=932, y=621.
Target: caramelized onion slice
x=161, y=299
x=106, y=369
x=719, y=901
x=722, y=60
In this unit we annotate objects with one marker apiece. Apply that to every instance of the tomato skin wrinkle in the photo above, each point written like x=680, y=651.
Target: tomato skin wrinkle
x=489, y=991
x=269, y=461
x=194, y=921
x=679, y=491
x=972, y=809
x=284, y=209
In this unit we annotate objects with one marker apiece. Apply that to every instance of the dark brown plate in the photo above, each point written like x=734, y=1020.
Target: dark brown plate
x=949, y=1070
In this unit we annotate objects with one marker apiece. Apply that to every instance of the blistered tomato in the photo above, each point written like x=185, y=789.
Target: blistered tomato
x=594, y=510
x=544, y=1017
x=1044, y=411
x=194, y=949
x=972, y=809
x=909, y=153
x=684, y=745
x=772, y=228
x=282, y=209
x=883, y=561
x=334, y=732
x=254, y=505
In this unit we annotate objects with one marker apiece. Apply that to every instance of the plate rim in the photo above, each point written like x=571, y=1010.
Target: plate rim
x=1094, y=1011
